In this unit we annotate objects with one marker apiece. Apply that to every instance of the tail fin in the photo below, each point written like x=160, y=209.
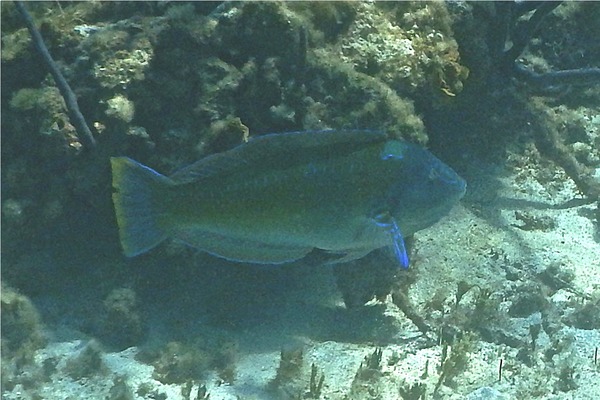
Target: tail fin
x=136, y=197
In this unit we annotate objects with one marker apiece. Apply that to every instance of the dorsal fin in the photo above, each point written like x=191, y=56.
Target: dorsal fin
x=280, y=150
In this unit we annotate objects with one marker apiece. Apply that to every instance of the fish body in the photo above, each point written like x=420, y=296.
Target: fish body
x=277, y=197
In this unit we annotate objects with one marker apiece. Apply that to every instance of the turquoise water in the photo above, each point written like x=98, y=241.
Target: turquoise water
x=501, y=296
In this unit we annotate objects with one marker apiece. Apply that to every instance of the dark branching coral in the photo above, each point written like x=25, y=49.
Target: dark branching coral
x=512, y=26
x=520, y=33
x=184, y=362
x=549, y=142
x=415, y=391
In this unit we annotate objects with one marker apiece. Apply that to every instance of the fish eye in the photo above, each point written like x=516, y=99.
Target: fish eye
x=393, y=150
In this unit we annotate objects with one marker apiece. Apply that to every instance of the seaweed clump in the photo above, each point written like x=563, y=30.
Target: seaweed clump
x=367, y=380
x=586, y=316
x=86, y=363
x=122, y=326
x=188, y=362
x=22, y=335
x=454, y=360
x=21, y=326
x=291, y=380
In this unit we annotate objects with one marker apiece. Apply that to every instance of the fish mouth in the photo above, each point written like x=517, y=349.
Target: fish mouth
x=456, y=185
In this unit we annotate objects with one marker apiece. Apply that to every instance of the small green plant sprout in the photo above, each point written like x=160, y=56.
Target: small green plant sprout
x=316, y=383
x=370, y=367
x=367, y=380
x=454, y=360
x=374, y=360
x=425, y=370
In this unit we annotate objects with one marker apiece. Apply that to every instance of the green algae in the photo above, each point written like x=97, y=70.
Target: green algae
x=122, y=324
x=21, y=325
x=182, y=362
x=86, y=363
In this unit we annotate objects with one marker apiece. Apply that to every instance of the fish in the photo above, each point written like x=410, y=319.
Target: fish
x=277, y=197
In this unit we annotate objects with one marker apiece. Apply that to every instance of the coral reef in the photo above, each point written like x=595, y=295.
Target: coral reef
x=131, y=74
x=190, y=361
x=409, y=46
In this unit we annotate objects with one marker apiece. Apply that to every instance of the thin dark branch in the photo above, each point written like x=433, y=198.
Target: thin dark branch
x=580, y=76
x=522, y=34
x=63, y=86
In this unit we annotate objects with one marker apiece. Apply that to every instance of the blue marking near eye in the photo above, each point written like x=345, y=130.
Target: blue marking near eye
x=399, y=247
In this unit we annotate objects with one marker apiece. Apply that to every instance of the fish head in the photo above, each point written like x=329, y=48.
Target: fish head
x=423, y=190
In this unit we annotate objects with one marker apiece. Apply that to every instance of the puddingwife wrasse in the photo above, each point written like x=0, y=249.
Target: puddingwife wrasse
x=279, y=196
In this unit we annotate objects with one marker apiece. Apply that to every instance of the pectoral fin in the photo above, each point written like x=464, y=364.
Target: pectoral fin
x=386, y=221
